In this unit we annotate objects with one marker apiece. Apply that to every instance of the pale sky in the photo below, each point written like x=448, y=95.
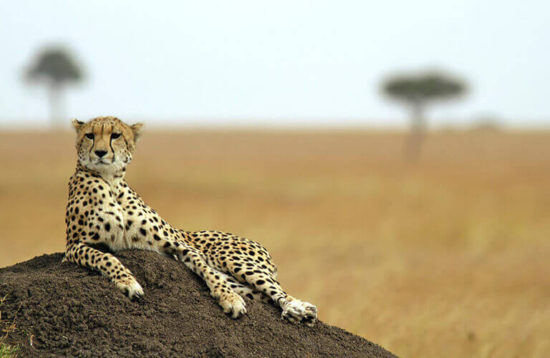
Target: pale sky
x=281, y=62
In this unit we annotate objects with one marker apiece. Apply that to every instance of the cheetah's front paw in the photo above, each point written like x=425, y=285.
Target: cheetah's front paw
x=297, y=311
x=233, y=304
x=130, y=287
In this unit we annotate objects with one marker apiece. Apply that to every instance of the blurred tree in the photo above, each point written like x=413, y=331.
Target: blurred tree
x=55, y=68
x=417, y=92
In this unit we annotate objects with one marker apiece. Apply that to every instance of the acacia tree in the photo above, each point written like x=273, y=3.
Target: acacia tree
x=417, y=92
x=55, y=68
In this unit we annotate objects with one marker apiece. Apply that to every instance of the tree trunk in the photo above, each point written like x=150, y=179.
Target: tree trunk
x=413, y=145
x=56, y=106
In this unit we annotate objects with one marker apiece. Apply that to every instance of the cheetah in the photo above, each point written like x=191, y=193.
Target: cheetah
x=103, y=210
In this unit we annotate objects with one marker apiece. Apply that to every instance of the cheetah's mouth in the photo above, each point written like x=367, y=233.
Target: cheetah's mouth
x=104, y=161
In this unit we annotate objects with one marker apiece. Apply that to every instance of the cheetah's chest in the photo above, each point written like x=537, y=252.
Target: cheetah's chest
x=135, y=216
x=111, y=223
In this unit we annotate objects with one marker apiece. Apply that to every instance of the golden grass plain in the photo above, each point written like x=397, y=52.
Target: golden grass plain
x=446, y=258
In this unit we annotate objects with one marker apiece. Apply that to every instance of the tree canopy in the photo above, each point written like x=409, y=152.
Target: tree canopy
x=423, y=88
x=56, y=66
x=418, y=91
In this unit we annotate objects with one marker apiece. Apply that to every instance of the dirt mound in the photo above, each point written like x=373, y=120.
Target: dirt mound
x=62, y=309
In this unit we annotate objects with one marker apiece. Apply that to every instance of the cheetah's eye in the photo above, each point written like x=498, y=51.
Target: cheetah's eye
x=90, y=135
x=115, y=135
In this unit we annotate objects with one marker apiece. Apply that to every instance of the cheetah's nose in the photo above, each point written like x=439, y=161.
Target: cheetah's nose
x=100, y=153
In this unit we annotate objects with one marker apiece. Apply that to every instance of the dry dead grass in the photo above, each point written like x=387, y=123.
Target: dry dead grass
x=449, y=258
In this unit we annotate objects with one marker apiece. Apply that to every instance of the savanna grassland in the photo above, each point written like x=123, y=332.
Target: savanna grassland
x=446, y=258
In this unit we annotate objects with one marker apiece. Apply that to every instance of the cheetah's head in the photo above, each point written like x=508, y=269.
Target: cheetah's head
x=105, y=144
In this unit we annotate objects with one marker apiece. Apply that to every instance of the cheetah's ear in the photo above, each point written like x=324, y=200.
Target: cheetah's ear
x=136, y=129
x=77, y=124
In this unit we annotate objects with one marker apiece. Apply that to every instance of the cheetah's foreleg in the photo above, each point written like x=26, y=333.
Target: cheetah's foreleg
x=293, y=310
x=231, y=302
x=108, y=265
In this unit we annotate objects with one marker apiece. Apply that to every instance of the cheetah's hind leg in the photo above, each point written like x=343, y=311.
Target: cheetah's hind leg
x=296, y=311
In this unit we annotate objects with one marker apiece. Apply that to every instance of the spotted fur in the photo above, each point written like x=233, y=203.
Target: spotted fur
x=103, y=209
